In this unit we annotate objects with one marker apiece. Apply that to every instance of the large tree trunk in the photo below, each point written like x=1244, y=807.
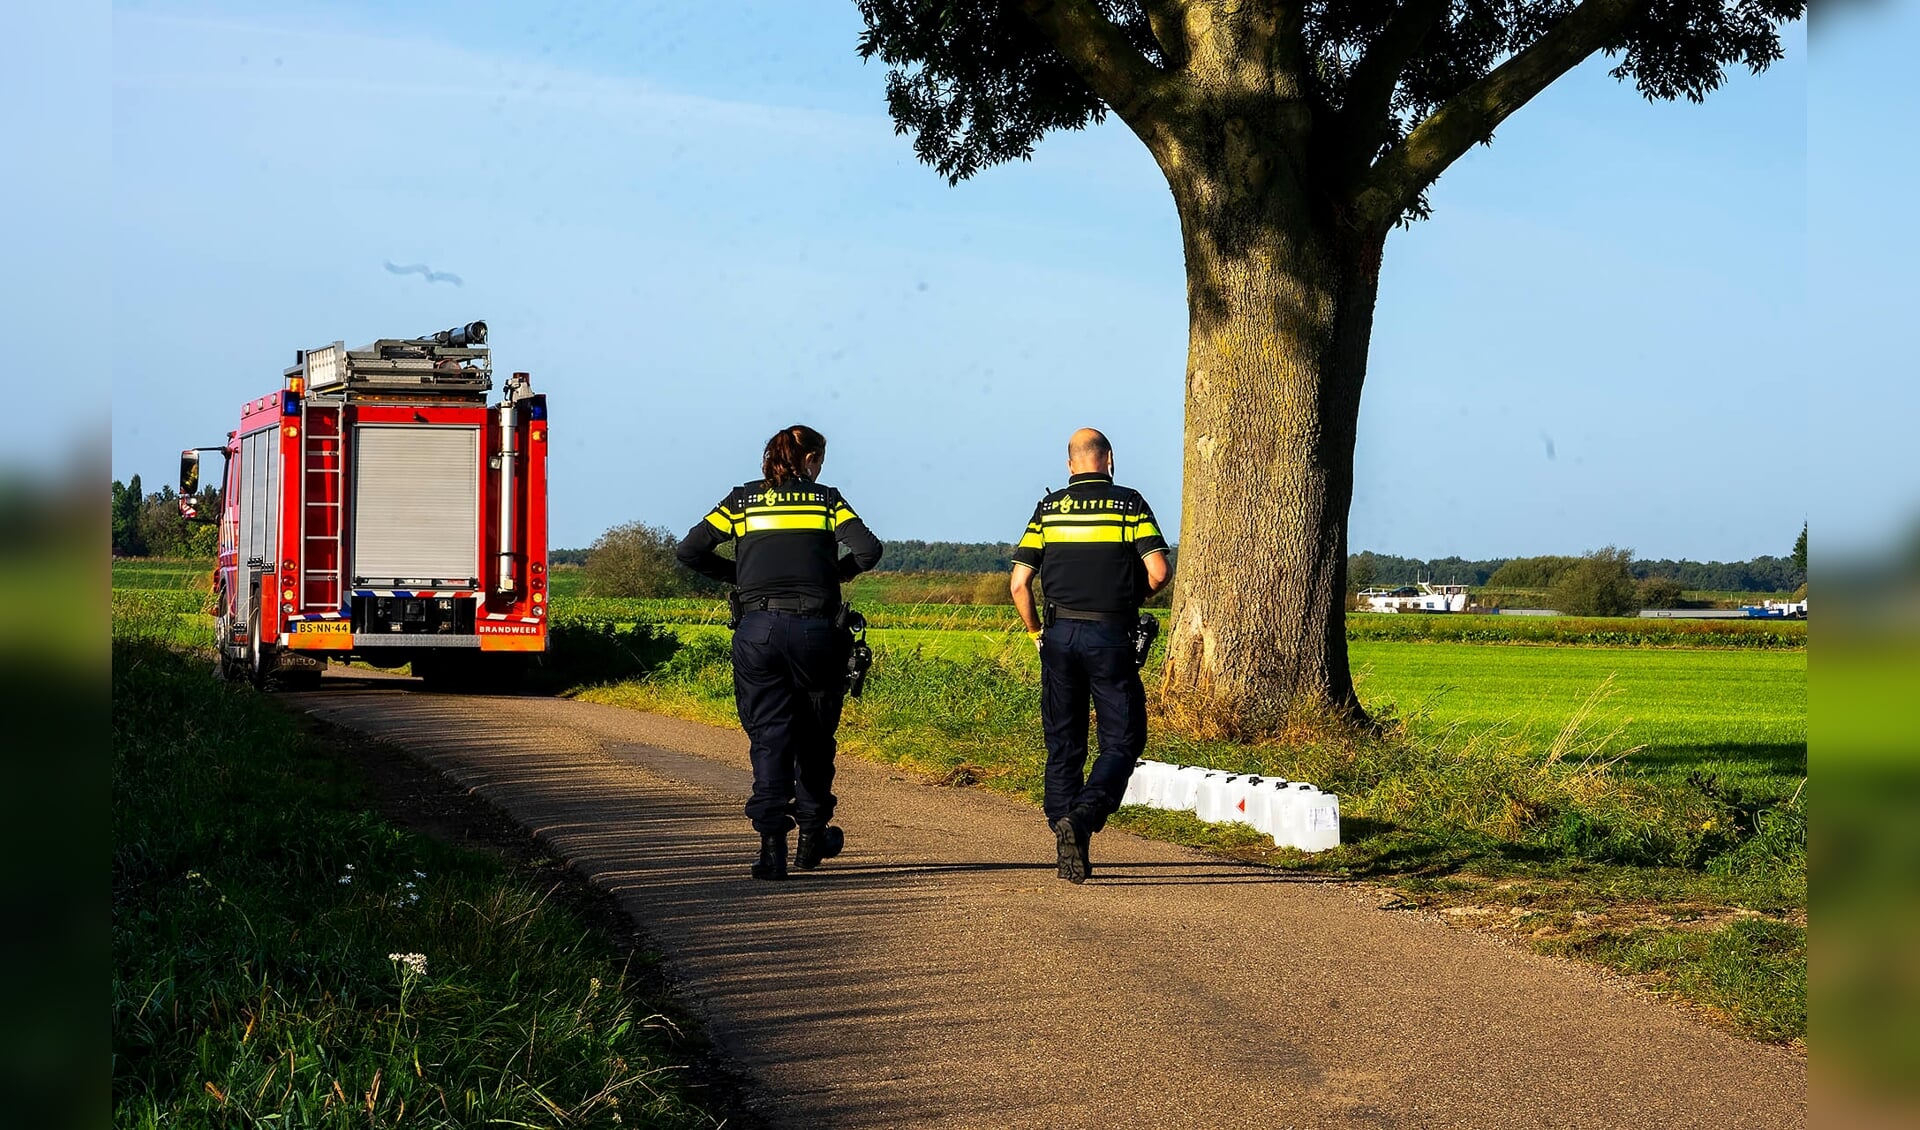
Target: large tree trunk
x=1281, y=306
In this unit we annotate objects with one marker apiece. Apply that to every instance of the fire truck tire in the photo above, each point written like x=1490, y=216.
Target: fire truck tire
x=223, y=666
x=257, y=654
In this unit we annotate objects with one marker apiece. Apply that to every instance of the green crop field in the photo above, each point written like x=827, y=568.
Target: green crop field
x=1740, y=714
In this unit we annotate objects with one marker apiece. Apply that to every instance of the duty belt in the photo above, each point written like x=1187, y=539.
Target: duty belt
x=1123, y=619
x=792, y=605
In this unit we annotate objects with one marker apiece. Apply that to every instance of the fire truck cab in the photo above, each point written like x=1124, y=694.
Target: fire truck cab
x=377, y=507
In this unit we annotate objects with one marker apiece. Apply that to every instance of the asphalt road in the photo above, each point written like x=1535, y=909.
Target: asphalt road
x=937, y=974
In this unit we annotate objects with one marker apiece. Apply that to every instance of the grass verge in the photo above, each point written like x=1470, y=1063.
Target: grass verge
x=283, y=956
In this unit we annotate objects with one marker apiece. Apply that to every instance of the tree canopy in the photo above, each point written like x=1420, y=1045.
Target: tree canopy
x=1388, y=94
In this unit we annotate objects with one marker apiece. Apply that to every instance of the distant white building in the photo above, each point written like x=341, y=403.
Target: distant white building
x=1421, y=597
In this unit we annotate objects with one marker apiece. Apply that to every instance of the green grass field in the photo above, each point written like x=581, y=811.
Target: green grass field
x=1741, y=714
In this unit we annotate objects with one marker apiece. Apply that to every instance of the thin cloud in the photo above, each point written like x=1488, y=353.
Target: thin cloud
x=424, y=271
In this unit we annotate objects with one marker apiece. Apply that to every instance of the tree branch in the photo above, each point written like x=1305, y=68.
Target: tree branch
x=1168, y=19
x=1364, y=112
x=1099, y=52
x=1398, y=178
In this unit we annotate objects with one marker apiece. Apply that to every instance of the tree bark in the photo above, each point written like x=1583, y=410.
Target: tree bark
x=1280, y=299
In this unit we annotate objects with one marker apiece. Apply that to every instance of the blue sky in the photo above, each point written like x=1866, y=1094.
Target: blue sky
x=694, y=224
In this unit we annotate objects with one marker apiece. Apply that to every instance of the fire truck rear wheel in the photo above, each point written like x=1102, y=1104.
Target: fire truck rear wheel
x=223, y=665
x=256, y=653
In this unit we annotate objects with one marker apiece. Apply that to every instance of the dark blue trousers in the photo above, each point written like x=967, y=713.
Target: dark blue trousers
x=1082, y=663
x=789, y=678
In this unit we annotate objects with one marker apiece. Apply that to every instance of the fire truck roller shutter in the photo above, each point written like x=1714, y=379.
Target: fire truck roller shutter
x=259, y=484
x=416, y=505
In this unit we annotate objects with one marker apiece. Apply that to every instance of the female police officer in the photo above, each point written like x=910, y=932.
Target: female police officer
x=789, y=657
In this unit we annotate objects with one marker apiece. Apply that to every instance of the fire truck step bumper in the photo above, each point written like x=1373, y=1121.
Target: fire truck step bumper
x=413, y=639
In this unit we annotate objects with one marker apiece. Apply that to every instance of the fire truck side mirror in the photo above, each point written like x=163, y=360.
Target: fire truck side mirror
x=190, y=486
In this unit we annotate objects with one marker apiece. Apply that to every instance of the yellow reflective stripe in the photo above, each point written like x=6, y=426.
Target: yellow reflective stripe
x=1086, y=533
x=719, y=522
x=1058, y=522
x=1032, y=540
x=843, y=514
x=1147, y=530
x=758, y=522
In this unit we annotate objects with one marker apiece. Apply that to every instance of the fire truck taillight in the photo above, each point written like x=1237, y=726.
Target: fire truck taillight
x=287, y=565
x=286, y=594
x=539, y=598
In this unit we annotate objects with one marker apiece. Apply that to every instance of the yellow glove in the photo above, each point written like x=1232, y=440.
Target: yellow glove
x=1035, y=637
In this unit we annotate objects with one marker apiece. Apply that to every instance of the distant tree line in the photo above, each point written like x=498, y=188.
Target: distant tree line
x=1762, y=574
x=901, y=556
x=634, y=543
x=947, y=557
x=150, y=525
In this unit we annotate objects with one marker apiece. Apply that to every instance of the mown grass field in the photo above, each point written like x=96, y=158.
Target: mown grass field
x=1627, y=792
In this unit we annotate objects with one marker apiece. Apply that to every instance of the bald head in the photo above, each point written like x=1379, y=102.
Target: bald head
x=1087, y=451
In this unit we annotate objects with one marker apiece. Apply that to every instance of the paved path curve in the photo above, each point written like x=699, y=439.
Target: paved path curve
x=937, y=974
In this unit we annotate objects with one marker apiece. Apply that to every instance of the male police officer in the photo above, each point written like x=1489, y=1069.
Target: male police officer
x=1098, y=553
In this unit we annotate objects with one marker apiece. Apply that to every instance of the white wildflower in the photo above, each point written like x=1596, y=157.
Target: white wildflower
x=415, y=963
x=419, y=874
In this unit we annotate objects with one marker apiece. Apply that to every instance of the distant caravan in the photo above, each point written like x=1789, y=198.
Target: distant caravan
x=1421, y=597
x=377, y=508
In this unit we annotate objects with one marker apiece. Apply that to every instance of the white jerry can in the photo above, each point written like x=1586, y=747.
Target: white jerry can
x=1180, y=788
x=1243, y=794
x=1320, y=822
x=1289, y=808
x=1260, y=807
x=1153, y=790
x=1140, y=784
x=1210, y=803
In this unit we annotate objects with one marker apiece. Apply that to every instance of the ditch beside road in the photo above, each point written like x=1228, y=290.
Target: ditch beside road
x=937, y=974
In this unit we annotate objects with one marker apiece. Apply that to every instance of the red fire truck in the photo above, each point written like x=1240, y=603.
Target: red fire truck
x=376, y=507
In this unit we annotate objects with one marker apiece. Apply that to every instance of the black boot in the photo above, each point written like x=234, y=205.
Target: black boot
x=1069, y=842
x=772, y=863
x=816, y=845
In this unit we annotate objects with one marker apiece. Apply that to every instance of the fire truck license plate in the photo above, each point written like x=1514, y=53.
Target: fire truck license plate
x=331, y=627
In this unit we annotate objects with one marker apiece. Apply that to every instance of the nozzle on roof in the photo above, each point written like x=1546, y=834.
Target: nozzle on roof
x=459, y=337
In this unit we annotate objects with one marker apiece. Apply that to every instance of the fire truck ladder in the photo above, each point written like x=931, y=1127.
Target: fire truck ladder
x=323, y=508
